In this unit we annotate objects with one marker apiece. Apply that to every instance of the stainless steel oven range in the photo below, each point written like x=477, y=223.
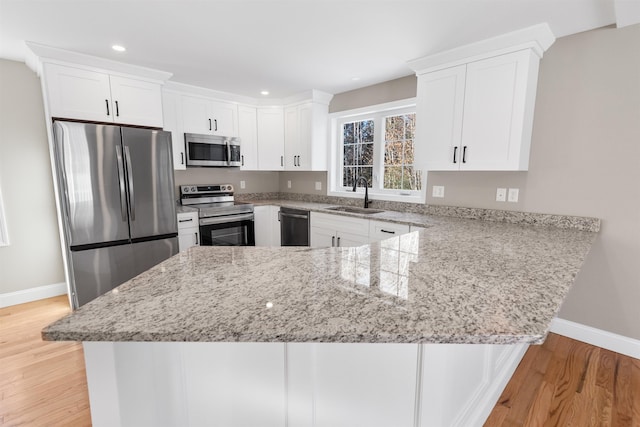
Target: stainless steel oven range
x=223, y=222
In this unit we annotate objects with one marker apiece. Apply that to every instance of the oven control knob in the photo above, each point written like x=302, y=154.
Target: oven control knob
x=193, y=189
x=185, y=189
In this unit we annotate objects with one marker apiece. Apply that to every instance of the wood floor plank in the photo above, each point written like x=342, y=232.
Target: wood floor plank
x=622, y=393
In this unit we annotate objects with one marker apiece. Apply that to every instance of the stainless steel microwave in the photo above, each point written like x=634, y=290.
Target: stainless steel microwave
x=212, y=150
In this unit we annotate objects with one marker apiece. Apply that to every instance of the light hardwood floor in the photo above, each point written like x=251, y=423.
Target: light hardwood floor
x=560, y=383
x=41, y=383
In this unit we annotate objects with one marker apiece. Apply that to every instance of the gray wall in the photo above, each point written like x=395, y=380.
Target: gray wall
x=255, y=182
x=33, y=257
x=585, y=161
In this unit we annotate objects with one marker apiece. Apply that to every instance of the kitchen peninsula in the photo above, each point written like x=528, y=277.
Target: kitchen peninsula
x=422, y=329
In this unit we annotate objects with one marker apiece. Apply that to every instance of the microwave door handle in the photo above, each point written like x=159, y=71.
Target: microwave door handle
x=123, y=197
x=132, y=199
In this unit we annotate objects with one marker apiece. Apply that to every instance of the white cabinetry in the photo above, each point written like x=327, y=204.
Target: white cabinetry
x=306, y=135
x=337, y=230
x=270, y=138
x=172, y=112
x=81, y=93
x=380, y=230
x=209, y=117
x=188, y=230
x=478, y=116
x=248, y=133
x=267, y=225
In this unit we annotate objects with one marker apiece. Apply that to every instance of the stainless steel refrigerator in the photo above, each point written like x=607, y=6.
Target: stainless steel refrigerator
x=116, y=194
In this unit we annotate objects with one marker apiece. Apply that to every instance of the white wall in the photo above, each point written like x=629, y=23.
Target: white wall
x=33, y=257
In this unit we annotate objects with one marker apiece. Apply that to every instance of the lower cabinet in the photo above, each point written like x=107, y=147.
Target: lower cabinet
x=267, y=225
x=296, y=384
x=380, y=230
x=188, y=230
x=338, y=231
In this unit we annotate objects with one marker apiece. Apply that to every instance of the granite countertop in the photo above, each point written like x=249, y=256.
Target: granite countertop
x=457, y=281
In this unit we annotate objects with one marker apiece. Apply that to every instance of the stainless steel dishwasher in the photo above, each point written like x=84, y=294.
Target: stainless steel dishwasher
x=294, y=227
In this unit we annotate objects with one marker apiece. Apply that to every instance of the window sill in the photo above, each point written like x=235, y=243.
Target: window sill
x=379, y=196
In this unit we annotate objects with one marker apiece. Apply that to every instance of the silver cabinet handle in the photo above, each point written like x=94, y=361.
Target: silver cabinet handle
x=123, y=197
x=132, y=198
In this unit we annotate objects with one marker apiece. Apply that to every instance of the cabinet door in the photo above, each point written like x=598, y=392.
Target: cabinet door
x=188, y=237
x=248, y=133
x=136, y=102
x=275, y=226
x=262, y=225
x=354, y=385
x=439, y=119
x=291, y=138
x=172, y=123
x=322, y=237
x=271, y=138
x=305, y=137
x=348, y=240
x=75, y=93
x=196, y=115
x=223, y=115
x=495, y=105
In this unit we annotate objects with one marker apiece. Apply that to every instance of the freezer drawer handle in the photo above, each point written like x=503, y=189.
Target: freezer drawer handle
x=132, y=198
x=123, y=197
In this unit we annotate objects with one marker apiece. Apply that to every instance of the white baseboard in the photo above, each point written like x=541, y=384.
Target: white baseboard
x=32, y=294
x=608, y=340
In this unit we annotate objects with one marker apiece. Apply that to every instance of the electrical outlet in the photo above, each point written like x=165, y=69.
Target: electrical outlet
x=318, y=185
x=243, y=184
x=513, y=195
x=501, y=195
x=438, y=191
x=289, y=183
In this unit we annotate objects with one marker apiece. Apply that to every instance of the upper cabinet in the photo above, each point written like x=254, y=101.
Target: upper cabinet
x=306, y=133
x=80, y=93
x=475, y=104
x=248, y=134
x=270, y=128
x=209, y=117
x=171, y=108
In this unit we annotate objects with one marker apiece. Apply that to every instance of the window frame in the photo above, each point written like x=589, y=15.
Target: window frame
x=335, y=164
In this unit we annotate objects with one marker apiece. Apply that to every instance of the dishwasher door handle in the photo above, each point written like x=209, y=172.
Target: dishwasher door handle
x=290, y=215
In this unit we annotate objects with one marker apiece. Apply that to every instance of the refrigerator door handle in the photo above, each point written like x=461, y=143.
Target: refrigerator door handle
x=132, y=199
x=123, y=197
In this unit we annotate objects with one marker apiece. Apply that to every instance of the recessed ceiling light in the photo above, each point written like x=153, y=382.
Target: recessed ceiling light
x=118, y=48
x=264, y=92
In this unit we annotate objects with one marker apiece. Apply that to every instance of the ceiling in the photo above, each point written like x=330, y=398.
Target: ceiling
x=283, y=46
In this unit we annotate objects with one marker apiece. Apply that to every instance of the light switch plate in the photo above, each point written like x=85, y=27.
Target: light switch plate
x=501, y=195
x=513, y=195
x=318, y=185
x=242, y=184
x=438, y=191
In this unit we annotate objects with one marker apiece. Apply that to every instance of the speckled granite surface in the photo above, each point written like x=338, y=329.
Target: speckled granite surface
x=397, y=209
x=459, y=281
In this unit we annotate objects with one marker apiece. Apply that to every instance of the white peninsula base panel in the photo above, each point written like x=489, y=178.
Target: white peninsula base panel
x=296, y=384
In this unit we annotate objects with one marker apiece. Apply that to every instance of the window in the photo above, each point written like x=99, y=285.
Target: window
x=377, y=144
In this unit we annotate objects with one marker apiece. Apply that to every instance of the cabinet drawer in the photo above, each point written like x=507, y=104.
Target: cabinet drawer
x=187, y=220
x=380, y=230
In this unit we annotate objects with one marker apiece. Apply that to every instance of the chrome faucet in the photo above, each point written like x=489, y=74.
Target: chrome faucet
x=366, y=189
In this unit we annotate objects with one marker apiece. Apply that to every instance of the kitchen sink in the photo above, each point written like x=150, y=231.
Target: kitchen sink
x=352, y=209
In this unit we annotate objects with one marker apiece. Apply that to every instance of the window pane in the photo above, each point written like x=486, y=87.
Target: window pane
x=357, y=151
x=398, y=153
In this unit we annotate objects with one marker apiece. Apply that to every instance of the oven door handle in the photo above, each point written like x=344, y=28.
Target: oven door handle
x=227, y=218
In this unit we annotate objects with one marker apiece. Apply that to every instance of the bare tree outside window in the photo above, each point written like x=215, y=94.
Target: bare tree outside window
x=357, y=141
x=399, y=170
